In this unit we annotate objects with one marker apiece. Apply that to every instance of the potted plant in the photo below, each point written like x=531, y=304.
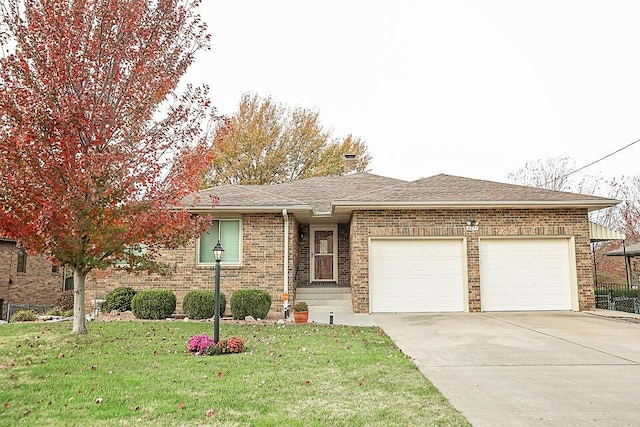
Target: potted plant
x=301, y=312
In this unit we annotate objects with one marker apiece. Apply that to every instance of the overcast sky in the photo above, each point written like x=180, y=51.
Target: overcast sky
x=469, y=88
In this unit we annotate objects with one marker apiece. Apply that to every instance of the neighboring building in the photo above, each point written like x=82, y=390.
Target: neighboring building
x=438, y=244
x=26, y=279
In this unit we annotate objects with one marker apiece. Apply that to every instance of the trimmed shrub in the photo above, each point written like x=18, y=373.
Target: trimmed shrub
x=201, y=304
x=24, y=316
x=64, y=301
x=67, y=313
x=153, y=304
x=250, y=302
x=119, y=299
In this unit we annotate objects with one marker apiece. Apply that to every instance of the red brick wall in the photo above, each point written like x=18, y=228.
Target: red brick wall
x=37, y=286
x=262, y=266
x=496, y=222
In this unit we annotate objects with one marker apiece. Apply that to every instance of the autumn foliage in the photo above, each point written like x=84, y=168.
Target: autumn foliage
x=265, y=142
x=97, y=148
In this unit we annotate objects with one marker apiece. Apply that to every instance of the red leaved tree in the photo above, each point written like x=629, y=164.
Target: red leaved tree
x=97, y=148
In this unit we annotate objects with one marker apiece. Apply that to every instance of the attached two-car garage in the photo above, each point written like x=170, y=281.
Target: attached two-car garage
x=430, y=275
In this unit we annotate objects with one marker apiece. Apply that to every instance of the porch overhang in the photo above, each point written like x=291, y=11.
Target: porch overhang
x=600, y=233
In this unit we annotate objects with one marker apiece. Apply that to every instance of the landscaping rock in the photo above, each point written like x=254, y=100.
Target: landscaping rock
x=249, y=319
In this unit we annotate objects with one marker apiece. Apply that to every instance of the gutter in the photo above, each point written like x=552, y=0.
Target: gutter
x=285, y=216
x=462, y=204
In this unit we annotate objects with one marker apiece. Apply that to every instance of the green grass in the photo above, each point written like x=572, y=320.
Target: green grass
x=295, y=375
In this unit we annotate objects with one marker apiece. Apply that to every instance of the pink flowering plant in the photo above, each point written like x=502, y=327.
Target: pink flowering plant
x=204, y=345
x=198, y=344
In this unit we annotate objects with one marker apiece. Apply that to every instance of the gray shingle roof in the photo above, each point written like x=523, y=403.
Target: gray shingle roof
x=448, y=188
x=321, y=194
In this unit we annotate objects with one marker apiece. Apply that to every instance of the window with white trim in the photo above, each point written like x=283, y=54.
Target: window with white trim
x=228, y=232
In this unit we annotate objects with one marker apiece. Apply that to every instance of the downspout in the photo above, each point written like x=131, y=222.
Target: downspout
x=285, y=216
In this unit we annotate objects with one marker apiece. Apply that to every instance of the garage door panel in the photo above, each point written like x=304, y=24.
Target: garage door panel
x=416, y=275
x=525, y=274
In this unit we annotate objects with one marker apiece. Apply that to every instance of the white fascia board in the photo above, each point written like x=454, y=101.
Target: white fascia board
x=458, y=204
x=248, y=209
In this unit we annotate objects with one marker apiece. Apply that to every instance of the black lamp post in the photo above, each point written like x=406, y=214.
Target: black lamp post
x=218, y=250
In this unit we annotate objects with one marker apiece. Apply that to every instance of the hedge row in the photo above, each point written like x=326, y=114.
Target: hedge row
x=197, y=304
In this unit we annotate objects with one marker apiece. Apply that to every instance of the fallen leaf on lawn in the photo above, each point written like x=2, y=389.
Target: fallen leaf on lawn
x=79, y=391
x=211, y=413
x=99, y=400
x=155, y=353
x=60, y=355
x=220, y=375
x=137, y=408
x=362, y=380
x=307, y=382
x=94, y=367
x=6, y=405
x=180, y=405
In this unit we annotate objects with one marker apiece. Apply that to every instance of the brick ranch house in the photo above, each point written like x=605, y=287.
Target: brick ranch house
x=438, y=244
x=27, y=279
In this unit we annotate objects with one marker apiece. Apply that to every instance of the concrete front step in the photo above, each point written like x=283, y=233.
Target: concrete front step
x=327, y=298
x=329, y=308
x=338, y=290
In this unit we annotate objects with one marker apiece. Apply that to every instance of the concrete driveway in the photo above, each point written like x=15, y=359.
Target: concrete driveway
x=522, y=369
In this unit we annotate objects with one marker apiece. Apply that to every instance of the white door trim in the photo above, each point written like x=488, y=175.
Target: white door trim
x=312, y=230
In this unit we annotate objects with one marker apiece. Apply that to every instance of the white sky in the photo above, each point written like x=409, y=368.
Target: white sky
x=470, y=88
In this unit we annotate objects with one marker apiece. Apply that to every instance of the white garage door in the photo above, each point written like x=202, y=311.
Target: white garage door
x=525, y=274
x=416, y=275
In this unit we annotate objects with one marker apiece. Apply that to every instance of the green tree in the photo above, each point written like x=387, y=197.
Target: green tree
x=266, y=142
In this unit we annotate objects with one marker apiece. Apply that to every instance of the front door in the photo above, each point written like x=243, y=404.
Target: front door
x=324, y=254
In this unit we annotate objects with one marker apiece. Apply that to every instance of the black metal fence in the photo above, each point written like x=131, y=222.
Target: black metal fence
x=617, y=297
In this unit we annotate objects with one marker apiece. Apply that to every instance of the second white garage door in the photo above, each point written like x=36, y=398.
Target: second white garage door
x=416, y=275
x=525, y=274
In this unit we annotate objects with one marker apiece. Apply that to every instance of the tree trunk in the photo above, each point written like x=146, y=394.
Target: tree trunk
x=79, y=310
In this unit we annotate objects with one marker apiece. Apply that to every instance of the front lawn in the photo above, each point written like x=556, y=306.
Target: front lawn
x=138, y=373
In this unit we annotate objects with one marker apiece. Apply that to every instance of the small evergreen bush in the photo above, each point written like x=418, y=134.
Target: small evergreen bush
x=201, y=304
x=119, y=299
x=64, y=301
x=250, y=302
x=153, y=304
x=24, y=316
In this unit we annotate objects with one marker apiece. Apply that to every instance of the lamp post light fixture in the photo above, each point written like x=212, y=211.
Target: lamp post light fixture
x=218, y=250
